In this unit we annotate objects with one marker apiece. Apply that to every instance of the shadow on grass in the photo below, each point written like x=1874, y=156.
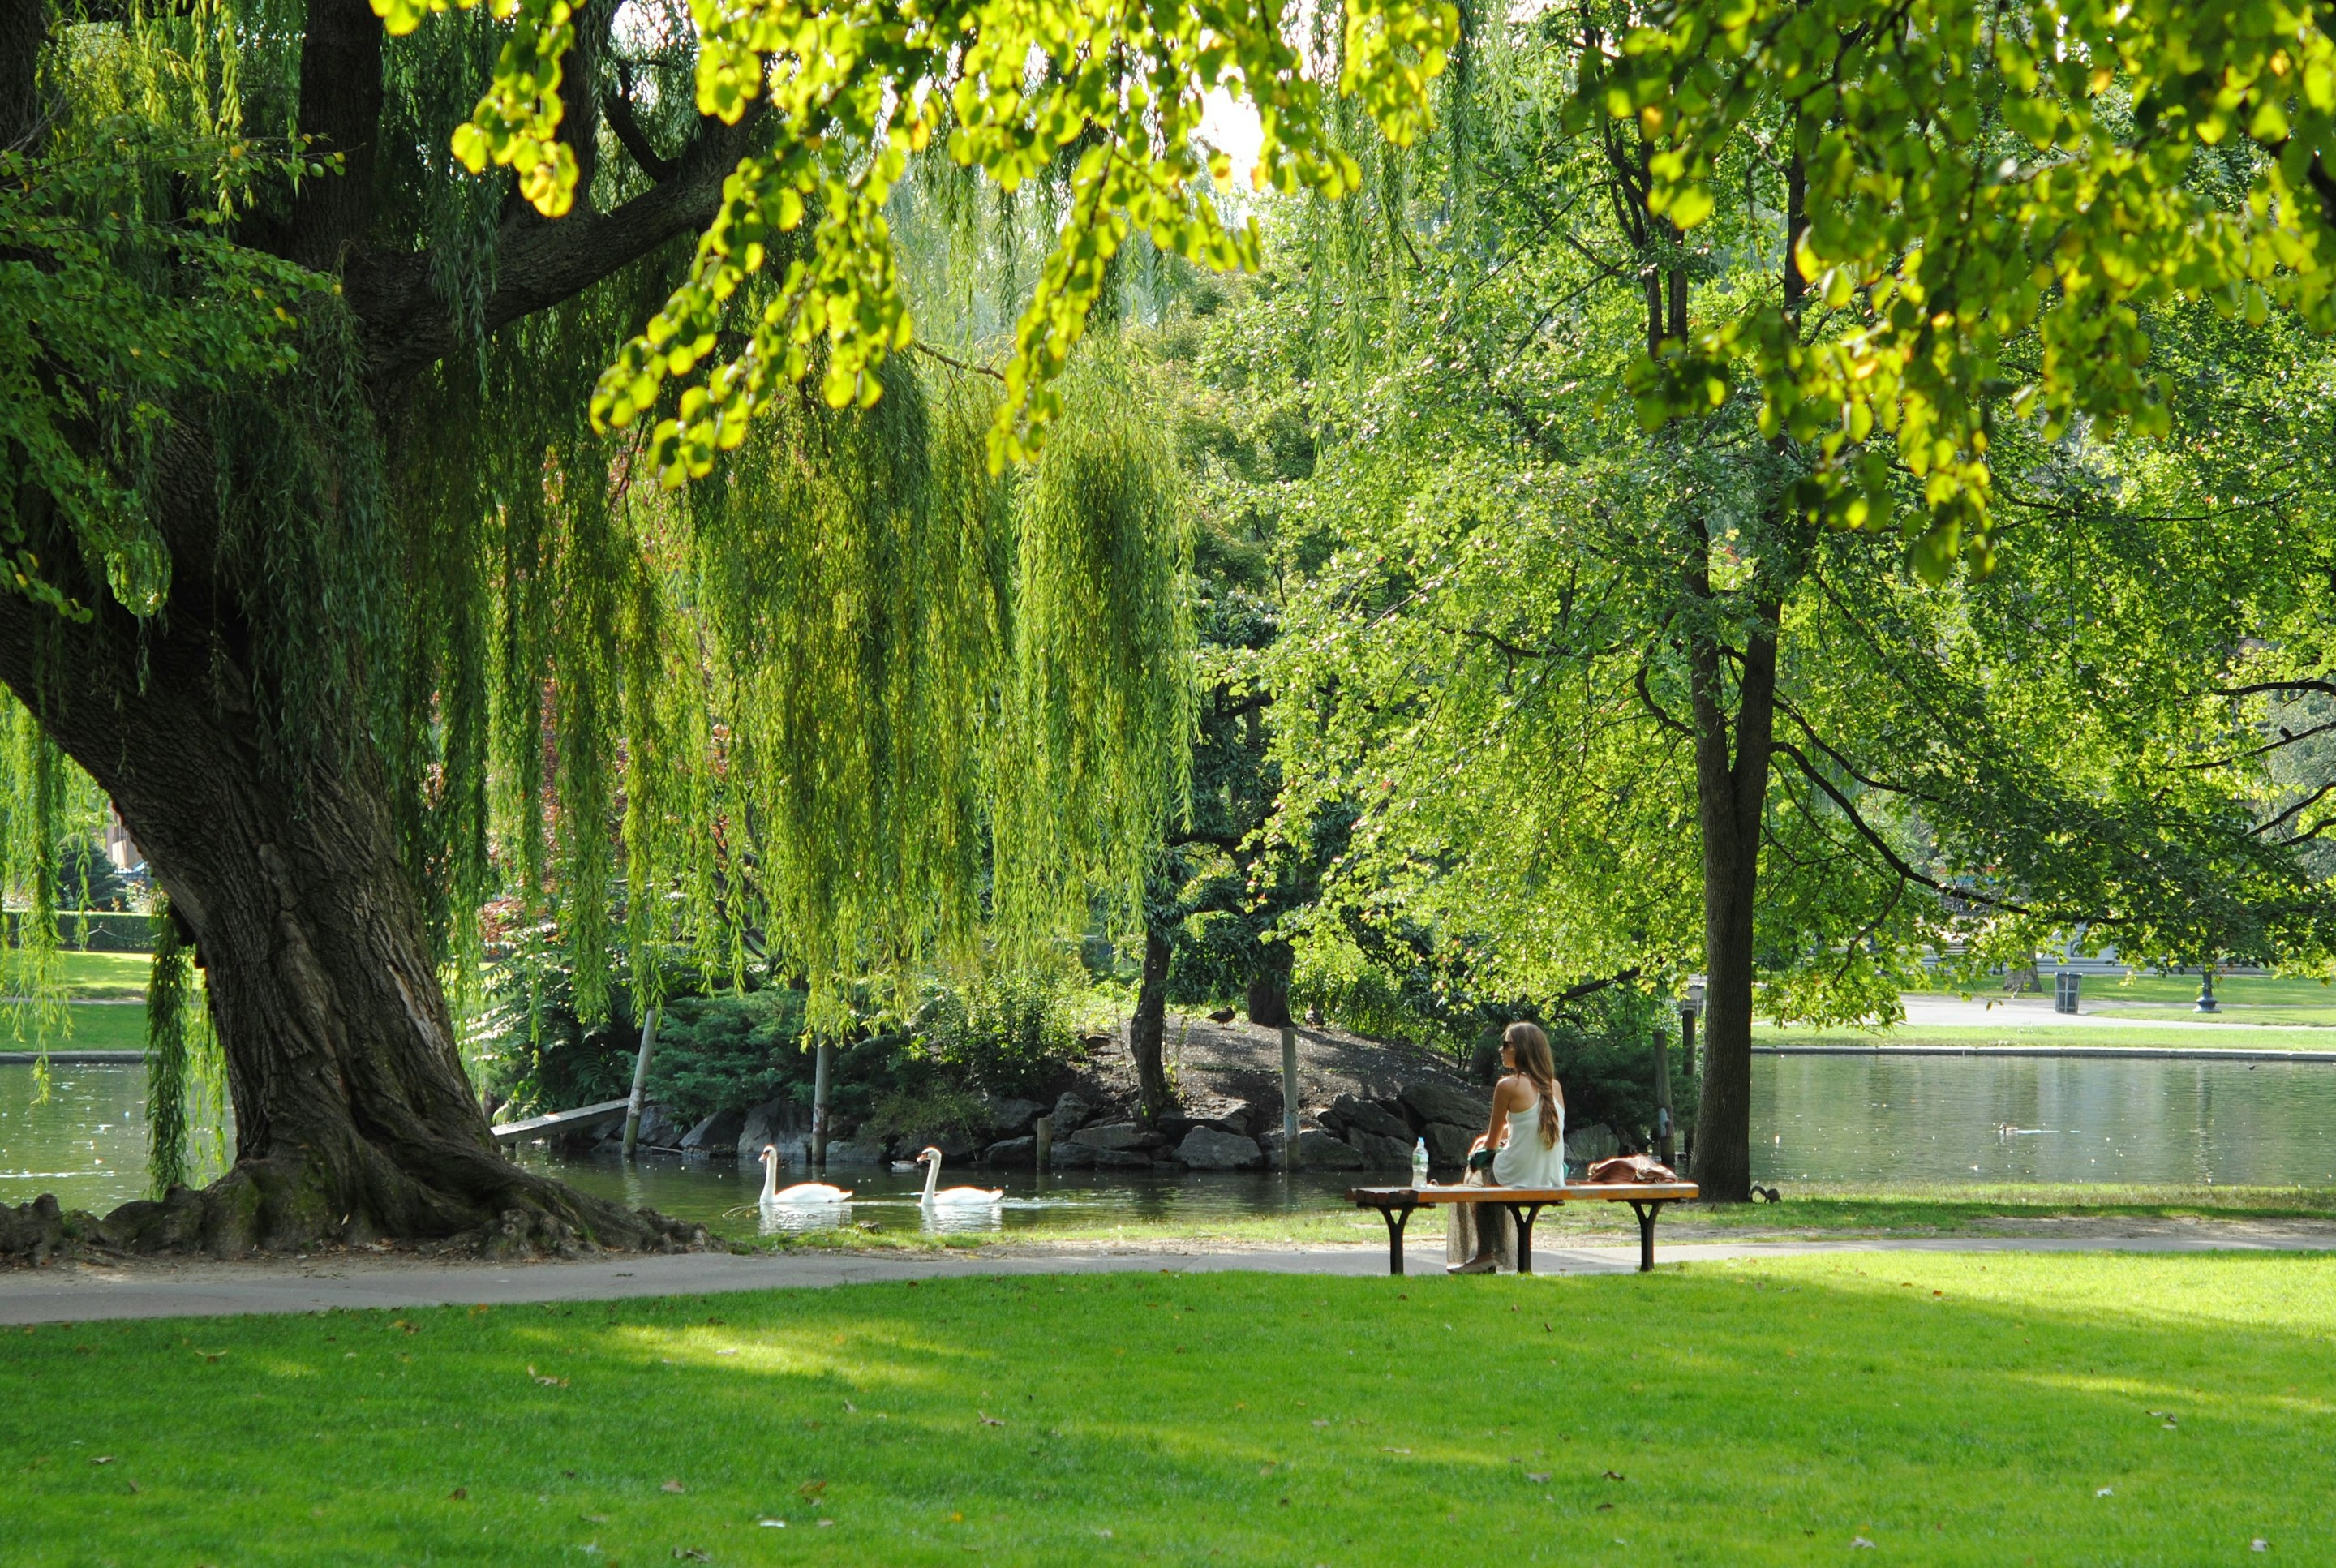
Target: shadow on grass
x=1955, y=1408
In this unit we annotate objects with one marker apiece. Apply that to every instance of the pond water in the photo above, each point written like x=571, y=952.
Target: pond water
x=87, y=1143
x=1861, y=1118
x=1833, y=1119
x=721, y=1194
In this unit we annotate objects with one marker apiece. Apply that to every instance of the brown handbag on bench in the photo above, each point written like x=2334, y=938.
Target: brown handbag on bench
x=1626, y=1168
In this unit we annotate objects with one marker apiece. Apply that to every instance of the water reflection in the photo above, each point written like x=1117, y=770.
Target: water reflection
x=87, y=1143
x=1849, y=1118
x=963, y=1219
x=1855, y=1118
x=796, y=1218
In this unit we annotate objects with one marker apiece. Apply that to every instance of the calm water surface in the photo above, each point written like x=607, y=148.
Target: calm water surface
x=1814, y=1118
x=87, y=1144
x=721, y=1194
x=2042, y=1119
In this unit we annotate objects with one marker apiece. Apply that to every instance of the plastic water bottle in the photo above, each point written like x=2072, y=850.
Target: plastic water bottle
x=1419, y=1163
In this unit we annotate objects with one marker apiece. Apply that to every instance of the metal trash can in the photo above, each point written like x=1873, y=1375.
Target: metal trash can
x=2064, y=990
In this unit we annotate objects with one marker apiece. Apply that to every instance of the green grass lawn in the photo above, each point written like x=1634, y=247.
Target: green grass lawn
x=2294, y=1017
x=87, y=976
x=2287, y=1000
x=1807, y=1208
x=95, y=1026
x=1946, y=1409
x=2243, y=990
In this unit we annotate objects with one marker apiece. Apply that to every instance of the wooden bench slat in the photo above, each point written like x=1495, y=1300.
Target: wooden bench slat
x=1578, y=1192
x=1397, y=1205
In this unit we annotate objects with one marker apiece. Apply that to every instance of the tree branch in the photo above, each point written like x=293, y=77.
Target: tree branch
x=616, y=108
x=24, y=31
x=2264, y=827
x=2285, y=738
x=340, y=107
x=538, y=265
x=1661, y=713
x=1590, y=988
x=929, y=352
x=1841, y=762
x=2324, y=687
x=1881, y=847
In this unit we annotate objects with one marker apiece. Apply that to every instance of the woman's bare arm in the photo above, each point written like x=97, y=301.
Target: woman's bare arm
x=1507, y=1094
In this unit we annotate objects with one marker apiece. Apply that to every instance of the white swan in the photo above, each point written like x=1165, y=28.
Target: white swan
x=802, y=1192
x=953, y=1197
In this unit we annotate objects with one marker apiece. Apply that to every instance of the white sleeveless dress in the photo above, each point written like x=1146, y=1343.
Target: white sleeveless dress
x=1524, y=1161
x=1521, y=1162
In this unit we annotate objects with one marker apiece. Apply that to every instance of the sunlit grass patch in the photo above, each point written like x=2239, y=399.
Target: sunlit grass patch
x=1953, y=1408
x=84, y=976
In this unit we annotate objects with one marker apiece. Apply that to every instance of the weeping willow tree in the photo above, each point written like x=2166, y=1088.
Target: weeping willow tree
x=399, y=507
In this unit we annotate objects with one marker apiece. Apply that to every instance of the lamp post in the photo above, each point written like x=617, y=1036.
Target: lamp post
x=2206, y=1002
x=1665, y=1128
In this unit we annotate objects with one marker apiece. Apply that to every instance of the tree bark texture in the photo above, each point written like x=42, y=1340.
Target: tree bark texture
x=354, y=1116
x=1731, y=790
x=1147, y=1030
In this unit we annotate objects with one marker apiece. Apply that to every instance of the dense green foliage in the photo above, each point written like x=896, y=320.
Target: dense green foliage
x=1502, y=598
x=1008, y=1032
x=2003, y=201
x=123, y=267
x=1955, y=1409
x=1514, y=481
x=839, y=703
x=857, y=91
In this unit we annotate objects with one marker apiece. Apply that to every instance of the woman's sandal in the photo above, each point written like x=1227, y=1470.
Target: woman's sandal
x=1483, y=1263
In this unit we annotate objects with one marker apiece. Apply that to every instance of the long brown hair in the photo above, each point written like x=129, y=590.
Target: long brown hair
x=1530, y=1048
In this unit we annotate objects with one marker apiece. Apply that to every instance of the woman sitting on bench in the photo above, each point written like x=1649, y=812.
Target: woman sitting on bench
x=1527, y=1133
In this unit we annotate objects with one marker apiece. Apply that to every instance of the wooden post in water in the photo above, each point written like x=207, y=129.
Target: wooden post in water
x=1042, y=1132
x=819, y=1062
x=1288, y=1097
x=640, y=1081
x=1663, y=1083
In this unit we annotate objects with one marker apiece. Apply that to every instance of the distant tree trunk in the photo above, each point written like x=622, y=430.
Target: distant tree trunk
x=1146, y=1031
x=1731, y=796
x=1731, y=790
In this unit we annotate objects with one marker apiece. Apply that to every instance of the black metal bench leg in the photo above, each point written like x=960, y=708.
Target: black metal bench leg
x=1524, y=1214
x=1647, y=1210
x=1398, y=1216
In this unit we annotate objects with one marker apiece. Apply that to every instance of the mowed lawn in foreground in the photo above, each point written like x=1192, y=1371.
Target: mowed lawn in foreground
x=2000, y=1409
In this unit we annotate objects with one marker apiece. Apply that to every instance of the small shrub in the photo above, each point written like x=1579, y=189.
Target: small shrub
x=714, y=1053
x=916, y=1113
x=1010, y=1033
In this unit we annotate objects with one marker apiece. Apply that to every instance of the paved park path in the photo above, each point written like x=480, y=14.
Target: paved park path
x=89, y=1293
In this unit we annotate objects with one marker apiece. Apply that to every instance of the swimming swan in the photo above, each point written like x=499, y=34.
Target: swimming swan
x=802, y=1192
x=954, y=1197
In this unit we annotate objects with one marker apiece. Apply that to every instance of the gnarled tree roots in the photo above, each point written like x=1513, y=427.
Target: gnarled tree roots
x=278, y=1206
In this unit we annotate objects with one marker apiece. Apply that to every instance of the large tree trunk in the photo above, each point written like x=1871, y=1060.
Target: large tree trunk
x=1731, y=791
x=1731, y=796
x=1147, y=1030
x=354, y=1117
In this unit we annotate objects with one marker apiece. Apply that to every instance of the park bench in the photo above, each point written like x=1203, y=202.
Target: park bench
x=1525, y=1205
